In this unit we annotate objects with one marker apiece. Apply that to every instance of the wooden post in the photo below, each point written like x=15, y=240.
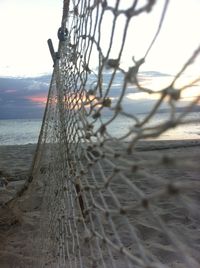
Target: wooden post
x=52, y=51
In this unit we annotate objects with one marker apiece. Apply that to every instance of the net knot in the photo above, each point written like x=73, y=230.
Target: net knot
x=173, y=93
x=112, y=63
x=106, y=102
x=133, y=71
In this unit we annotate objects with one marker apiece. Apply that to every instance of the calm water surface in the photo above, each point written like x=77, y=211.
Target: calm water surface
x=23, y=131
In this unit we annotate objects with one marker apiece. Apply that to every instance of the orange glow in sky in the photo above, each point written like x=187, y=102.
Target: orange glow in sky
x=40, y=99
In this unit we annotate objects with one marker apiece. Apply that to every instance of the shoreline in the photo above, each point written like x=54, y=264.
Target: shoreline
x=190, y=142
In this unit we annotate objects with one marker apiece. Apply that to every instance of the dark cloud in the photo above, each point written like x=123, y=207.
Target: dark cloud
x=25, y=97
x=16, y=97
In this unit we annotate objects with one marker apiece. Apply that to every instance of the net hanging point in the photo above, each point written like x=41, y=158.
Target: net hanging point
x=62, y=34
x=55, y=55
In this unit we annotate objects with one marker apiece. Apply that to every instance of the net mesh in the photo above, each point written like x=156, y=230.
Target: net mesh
x=110, y=198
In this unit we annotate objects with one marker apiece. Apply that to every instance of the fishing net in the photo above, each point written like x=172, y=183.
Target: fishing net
x=110, y=198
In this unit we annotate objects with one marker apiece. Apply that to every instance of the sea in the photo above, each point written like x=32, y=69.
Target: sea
x=26, y=131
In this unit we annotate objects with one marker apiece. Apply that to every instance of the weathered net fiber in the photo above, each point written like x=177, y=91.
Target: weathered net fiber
x=103, y=204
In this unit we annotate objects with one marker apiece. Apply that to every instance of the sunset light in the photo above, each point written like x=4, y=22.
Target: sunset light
x=41, y=100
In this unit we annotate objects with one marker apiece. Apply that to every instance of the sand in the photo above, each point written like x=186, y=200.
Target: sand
x=17, y=222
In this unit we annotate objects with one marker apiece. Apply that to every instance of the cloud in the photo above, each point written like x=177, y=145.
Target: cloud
x=10, y=91
x=26, y=97
x=37, y=85
x=23, y=97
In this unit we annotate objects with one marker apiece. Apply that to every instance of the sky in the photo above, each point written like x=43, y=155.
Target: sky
x=22, y=98
x=25, y=27
x=177, y=40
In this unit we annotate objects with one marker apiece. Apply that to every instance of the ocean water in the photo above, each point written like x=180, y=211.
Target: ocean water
x=19, y=131
x=23, y=131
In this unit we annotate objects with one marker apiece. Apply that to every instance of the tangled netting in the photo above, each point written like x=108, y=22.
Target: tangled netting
x=105, y=201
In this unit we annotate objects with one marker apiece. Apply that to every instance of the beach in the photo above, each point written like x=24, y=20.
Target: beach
x=18, y=221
